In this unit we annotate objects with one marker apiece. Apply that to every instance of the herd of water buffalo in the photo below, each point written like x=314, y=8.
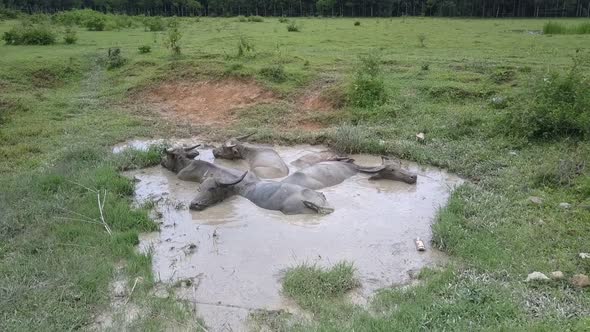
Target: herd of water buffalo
x=295, y=194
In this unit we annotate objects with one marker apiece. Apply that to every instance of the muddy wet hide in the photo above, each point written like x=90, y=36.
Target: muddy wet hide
x=240, y=251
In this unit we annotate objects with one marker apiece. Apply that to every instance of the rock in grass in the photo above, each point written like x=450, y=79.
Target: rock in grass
x=536, y=200
x=580, y=280
x=119, y=289
x=557, y=275
x=536, y=276
x=584, y=255
x=565, y=205
x=420, y=137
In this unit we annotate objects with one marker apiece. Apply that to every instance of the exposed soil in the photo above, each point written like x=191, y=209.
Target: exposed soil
x=206, y=102
x=217, y=103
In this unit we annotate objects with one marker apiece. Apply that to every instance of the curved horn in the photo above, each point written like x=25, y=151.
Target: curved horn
x=191, y=147
x=231, y=183
x=239, y=138
x=168, y=150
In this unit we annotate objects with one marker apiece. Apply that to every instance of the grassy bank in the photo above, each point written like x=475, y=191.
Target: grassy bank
x=61, y=109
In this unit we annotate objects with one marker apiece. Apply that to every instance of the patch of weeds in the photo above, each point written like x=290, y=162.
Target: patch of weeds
x=555, y=28
x=563, y=171
x=241, y=19
x=283, y=20
x=173, y=38
x=453, y=93
x=293, y=27
x=154, y=23
x=425, y=66
x=245, y=47
x=257, y=19
x=136, y=159
x=422, y=39
x=500, y=76
x=310, y=285
x=70, y=36
x=26, y=34
x=270, y=320
x=357, y=23
x=557, y=106
x=368, y=87
x=275, y=73
x=350, y=139
x=144, y=49
x=95, y=23
x=114, y=58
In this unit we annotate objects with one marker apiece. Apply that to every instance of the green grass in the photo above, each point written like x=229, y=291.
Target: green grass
x=556, y=28
x=61, y=110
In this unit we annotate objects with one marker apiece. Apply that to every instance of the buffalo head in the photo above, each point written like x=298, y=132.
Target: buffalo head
x=391, y=171
x=213, y=190
x=175, y=159
x=229, y=149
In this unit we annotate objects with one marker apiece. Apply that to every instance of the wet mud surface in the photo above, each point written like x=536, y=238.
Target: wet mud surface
x=235, y=253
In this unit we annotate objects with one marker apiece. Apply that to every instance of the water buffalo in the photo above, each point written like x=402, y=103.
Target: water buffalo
x=285, y=197
x=330, y=173
x=264, y=162
x=316, y=157
x=181, y=162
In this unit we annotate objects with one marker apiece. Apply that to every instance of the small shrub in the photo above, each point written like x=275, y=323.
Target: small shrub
x=244, y=47
x=283, y=20
x=357, y=23
x=95, y=23
x=8, y=14
x=242, y=19
x=114, y=58
x=503, y=76
x=255, y=19
x=557, y=106
x=425, y=66
x=145, y=49
x=349, y=139
x=275, y=73
x=155, y=23
x=368, y=87
x=422, y=39
x=29, y=35
x=70, y=36
x=554, y=28
x=293, y=27
x=173, y=38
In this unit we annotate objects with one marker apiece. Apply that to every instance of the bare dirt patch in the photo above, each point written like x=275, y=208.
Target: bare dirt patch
x=206, y=102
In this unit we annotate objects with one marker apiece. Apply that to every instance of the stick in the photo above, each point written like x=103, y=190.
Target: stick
x=133, y=288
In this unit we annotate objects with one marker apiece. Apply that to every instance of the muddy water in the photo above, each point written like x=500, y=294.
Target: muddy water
x=235, y=252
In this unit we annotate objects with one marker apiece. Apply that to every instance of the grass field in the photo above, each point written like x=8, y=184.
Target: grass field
x=61, y=110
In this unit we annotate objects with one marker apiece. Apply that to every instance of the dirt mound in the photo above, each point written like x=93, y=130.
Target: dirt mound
x=206, y=102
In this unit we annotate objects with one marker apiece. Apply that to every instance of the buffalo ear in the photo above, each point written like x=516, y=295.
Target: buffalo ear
x=317, y=208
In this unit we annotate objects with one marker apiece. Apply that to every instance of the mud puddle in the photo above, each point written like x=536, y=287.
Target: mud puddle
x=234, y=253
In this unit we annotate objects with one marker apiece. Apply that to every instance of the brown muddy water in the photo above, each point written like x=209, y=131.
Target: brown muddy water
x=235, y=253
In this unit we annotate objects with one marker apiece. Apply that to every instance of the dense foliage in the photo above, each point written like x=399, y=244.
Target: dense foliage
x=485, y=8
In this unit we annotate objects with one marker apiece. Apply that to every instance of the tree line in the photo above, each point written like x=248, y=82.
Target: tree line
x=350, y=8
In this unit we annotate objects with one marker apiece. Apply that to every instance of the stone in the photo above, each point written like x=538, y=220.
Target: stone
x=536, y=276
x=536, y=200
x=161, y=293
x=119, y=289
x=565, y=205
x=557, y=275
x=513, y=153
x=584, y=255
x=420, y=137
x=580, y=280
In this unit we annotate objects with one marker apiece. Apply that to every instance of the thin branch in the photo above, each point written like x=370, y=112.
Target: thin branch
x=133, y=288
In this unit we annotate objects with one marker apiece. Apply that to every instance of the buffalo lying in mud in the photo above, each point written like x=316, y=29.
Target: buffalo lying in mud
x=332, y=172
x=285, y=197
x=181, y=162
x=264, y=162
x=219, y=183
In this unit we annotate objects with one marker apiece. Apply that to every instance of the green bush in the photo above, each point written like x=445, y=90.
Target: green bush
x=557, y=106
x=554, y=28
x=275, y=73
x=145, y=49
x=173, y=38
x=245, y=47
x=95, y=23
x=70, y=36
x=114, y=58
x=29, y=35
x=242, y=19
x=293, y=27
x=283, y=20
x=368, y=88
x=255, y=19
x=155, y=23
x=8, y=14
x=357, y=23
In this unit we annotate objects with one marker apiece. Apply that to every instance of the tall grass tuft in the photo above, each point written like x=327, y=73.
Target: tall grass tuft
x=554, y=28
x=368, y=87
